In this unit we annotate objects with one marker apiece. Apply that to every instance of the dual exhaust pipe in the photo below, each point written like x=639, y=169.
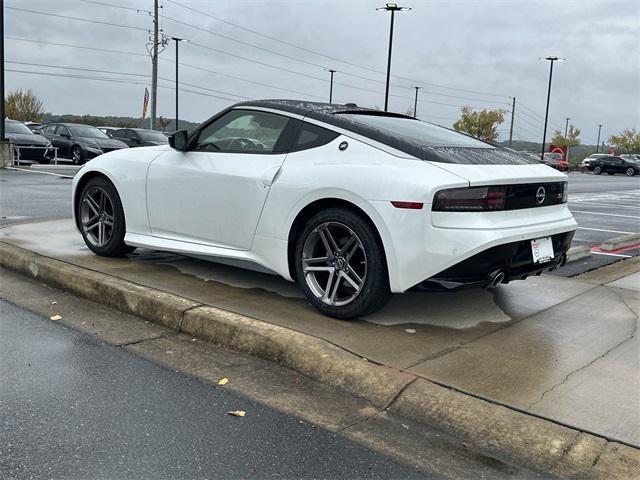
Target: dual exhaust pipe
x=498, y=277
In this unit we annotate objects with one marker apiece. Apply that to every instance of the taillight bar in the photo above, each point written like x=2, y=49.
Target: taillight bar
x=500, y=197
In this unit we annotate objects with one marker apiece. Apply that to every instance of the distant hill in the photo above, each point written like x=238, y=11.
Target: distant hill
x=109, y=121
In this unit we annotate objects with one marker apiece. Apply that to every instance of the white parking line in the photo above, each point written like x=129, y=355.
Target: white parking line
x=587, y=202
x=603, y=230
x=612, y=254
x=38, y=171
x=605, y=214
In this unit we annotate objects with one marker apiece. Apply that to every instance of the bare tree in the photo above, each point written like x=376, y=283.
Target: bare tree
x=23, y=106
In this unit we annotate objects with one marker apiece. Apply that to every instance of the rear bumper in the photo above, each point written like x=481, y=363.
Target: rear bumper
x=499, y=264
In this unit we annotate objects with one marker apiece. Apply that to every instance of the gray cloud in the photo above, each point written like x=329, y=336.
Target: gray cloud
x=480, y=46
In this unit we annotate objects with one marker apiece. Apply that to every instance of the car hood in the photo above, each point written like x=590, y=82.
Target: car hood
x=102, y=142
x=26, y=139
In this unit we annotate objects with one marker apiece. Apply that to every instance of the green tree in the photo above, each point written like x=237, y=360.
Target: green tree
x=627, y=142
x=23, y=106
x=482, y=124
x=572, y=139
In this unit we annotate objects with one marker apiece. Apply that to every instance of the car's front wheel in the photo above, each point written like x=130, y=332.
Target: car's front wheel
x=101, y=218
x=341, y=266
x=597, y=170
x=630, y=172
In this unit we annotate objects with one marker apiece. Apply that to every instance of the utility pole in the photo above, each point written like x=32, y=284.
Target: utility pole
x=331, y=86
x=546, y=115
x=598, y=142
x=566, y=129
x=513, y=112
x=415, y=103
x=2, y=114
x=154, y=66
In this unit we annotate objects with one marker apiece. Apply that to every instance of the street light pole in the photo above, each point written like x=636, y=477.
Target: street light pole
x=566, y=129
x=598, y=142
x=177, y=40
x=393, y=8
x=415, y=103
x=2, y=139
x=513, y=113
x=546, y=115
x=331, y=86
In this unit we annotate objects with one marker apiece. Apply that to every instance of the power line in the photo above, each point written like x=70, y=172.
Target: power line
x=138, y=10
x=76, y=18
x=105, y=50
x=327, y=56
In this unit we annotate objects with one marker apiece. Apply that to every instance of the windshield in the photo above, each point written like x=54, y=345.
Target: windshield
x=416, y=131
x=17, y=127
x=89, y=132
x=151, y=136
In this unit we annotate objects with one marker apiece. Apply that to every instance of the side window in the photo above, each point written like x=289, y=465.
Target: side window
x=312, y=136
x=243, y=131
x=62, y=130
x=50, y=129
x=118, y=134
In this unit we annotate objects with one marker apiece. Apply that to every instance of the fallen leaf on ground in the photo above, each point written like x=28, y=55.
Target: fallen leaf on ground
x=55, y=317
x=223, y=381
x=237, y=413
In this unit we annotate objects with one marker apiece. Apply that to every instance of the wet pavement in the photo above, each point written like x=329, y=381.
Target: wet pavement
x=564, y=349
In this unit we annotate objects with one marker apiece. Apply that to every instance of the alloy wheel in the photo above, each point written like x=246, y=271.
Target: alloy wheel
x=334, y=263
x=76, y=155
x=96, y=215
x=630, y=172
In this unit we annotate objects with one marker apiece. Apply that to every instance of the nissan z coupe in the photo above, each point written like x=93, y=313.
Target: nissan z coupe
x=352, y=203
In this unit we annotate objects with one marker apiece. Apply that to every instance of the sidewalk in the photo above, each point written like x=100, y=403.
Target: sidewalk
x=563, y=349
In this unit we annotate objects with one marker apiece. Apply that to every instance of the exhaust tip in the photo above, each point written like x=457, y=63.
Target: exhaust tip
x=497, y=279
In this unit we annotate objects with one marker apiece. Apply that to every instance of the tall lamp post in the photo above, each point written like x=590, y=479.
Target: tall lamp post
x=177, y=40
x=2, y=139
x=415, y=103
x=566, y=145
x=331, y=86
x=393, y=8
x=546, y=115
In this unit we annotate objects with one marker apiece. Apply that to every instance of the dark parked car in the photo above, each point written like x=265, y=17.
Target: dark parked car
x=613, y=165
x=30, y=146
x=80, y=142
x=139, y=137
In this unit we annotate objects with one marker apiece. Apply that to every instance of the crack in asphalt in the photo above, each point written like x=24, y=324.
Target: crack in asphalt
x=625, y=340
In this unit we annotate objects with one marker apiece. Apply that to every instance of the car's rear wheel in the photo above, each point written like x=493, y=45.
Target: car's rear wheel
x=597, y=170
x=341, y=266
x=630, y=172
x=77, y=156
x=101, y=218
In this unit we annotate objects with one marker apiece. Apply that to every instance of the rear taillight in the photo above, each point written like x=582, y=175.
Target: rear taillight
x=474, y=199
x=565, y=192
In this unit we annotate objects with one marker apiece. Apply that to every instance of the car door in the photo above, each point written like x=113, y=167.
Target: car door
x=214, y=192
x=619, y=165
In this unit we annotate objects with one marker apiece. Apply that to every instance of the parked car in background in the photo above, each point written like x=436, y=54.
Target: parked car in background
x=555, y=160
x=367, y=202
x=29, y=145
x=33, y=126
x=107, y=130
x=630, y=156
x=139, y=137
x=594, y=156
x=80, y=142
x=612, y=165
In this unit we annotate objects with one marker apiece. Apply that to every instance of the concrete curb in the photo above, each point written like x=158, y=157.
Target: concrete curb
x=499, y=431
x=620, y=242
x=578, y=253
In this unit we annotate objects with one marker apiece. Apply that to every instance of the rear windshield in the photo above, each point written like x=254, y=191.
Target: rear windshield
x=416, y=131
x=16, y=127
x=153, y=136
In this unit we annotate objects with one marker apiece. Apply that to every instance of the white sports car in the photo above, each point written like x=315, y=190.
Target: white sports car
x=354, y=204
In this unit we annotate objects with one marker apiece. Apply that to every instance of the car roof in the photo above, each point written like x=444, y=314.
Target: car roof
x=68, y=124
x=327, y=114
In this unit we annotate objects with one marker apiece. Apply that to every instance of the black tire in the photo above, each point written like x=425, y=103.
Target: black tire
x=630, y=172
x=374, y=291
x=597, y=170
x=113, y=243
x=77, y=155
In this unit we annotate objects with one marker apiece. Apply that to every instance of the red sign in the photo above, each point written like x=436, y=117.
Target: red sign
x=556, y=149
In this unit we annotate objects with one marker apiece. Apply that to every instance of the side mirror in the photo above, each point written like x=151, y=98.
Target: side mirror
x=135, y=140
x=179, y=141
x=65, y=135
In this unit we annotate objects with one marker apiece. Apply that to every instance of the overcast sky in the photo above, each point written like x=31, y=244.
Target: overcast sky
x=461, y=52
